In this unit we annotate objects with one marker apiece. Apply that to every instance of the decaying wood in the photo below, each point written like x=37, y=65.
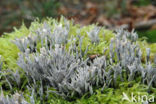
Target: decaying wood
x=145, y=24
x=140, y=25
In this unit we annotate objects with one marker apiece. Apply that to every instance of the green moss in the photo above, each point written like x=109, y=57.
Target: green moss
x=8, y=50
x=110, y=95
x=144, y=45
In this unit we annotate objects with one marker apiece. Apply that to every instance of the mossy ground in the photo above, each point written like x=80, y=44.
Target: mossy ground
x=9, y=53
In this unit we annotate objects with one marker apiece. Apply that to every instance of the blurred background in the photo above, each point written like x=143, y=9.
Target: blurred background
x=137, y=14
